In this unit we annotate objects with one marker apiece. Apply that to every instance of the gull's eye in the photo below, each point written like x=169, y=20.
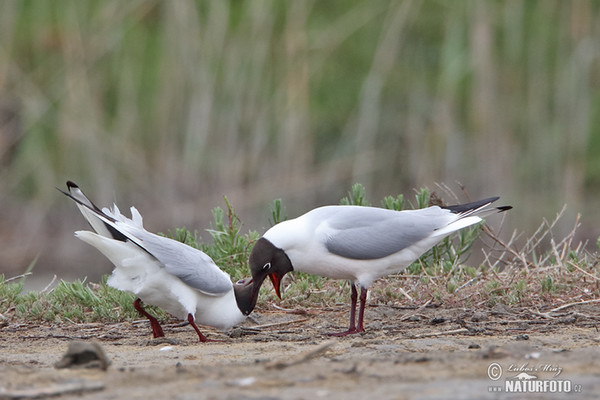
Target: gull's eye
x=266, y=266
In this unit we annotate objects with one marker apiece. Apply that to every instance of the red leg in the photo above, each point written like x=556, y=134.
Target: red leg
x=352, y=328
x=361, y=311
x=156, y=329
x=203, y=338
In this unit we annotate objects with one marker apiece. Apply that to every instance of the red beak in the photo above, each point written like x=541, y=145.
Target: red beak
x=276, y=280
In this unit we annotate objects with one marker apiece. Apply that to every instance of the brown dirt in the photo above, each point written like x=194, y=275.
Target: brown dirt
x=427, y=353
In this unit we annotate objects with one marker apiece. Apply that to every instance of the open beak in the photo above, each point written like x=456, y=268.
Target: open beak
x=276, y=280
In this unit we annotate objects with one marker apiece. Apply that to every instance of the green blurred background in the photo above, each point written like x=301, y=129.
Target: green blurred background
x=170, y=105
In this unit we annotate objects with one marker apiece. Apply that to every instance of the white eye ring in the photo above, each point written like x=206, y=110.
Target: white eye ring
x=267, y=266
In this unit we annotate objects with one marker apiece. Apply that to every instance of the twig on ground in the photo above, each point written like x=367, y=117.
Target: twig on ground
x=573, y=304
x=585, y=272
x=308, y=355
x=465, y=284
x=52, y=390
x=289, y=310
x=407, y=316
x=542, y=314
x=263, y=326
x=405, y=294
x=452, y=332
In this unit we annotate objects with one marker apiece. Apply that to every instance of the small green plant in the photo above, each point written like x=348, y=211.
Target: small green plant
x=9, y=292
x=356, y=196
x=230, y=248
x=183, y=235
x=277, y=215
x=451, y=286
x=422, y=197
x=548, y=285
x=393, y=203
x=517, y=291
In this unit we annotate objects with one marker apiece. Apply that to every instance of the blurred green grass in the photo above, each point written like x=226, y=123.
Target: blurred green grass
x=132, y=87
x=176, y=104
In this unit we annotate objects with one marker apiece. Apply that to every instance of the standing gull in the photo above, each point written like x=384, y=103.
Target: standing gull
x=360, y=244
x=163, y=272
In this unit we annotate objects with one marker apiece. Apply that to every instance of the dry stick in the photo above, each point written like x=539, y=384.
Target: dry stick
x=565, y=243
x=279, y=323
x=573, y=304
x=405, y=294
x=444, y=187
x=288, y=310
x=547, y=313
x=52, y=390
x=18, y=276
x=308, y=355
x=452, y=332
x=541, y=314
x=509, y=244
x=407, y=316
x=48, y=285
x=488, y=261
x=585, y=272
x=534, y=240
x=568, y=240
x=465, y=284
x=517, y=255
x=548, y=229
x=556, y=255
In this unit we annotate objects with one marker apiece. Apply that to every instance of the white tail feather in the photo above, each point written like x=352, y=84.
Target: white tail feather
x=457, y=225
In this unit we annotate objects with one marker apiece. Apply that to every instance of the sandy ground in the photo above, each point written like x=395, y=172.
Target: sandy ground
x=427, y=353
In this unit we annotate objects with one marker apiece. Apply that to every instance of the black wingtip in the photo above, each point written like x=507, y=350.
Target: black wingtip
x=461, y=208
x=71, y=184
x=470, y=207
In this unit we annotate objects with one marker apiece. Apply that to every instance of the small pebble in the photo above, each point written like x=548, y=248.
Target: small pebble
x=479, y=316
x=247, y=381
x=522, y=337
x=560, y=350
x=474, y=346
x=422, y=359
x=236, y=333
x=82, y=354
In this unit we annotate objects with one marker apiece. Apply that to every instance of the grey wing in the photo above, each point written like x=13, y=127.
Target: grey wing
x=192, y=266
x=376, y=233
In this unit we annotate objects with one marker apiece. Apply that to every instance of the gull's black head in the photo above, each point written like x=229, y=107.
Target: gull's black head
x=268, y=260
x=244, y=295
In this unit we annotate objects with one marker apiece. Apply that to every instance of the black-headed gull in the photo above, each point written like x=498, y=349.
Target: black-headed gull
x=360, y=244
x=163, y=272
